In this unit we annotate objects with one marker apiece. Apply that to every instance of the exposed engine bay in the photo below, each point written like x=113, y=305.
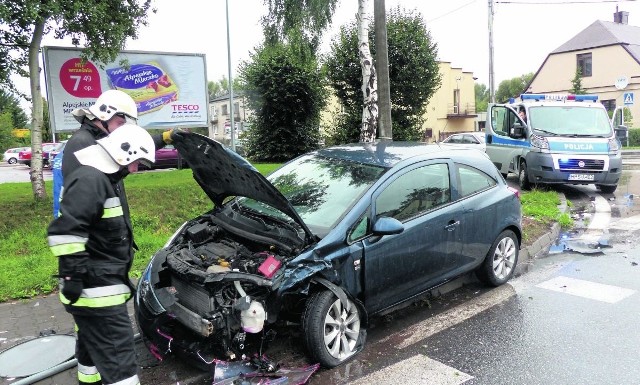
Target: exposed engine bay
x=217, y=279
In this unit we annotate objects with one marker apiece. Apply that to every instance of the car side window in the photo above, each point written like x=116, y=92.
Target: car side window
x=470, y=139
x=473, y=180
x=416, y=192
x=360, y=230
x=502, y=120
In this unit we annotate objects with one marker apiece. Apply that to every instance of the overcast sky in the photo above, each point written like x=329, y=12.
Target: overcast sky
x=524, y=31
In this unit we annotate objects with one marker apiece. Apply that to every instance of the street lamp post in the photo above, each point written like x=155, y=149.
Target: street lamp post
x=233, y=128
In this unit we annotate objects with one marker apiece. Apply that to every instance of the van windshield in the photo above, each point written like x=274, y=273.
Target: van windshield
x=570, y=121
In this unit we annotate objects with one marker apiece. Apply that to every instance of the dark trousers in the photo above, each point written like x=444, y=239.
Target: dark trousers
x=105, y=345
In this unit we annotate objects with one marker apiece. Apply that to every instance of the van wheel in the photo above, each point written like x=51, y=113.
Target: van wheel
x=607, y=189
x=523, y=177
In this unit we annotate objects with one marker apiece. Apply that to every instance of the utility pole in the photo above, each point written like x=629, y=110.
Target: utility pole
x=492, y=89
x=233, y=126
x=385, y=131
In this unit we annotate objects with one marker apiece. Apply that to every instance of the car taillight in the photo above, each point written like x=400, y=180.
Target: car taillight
x=515, y=191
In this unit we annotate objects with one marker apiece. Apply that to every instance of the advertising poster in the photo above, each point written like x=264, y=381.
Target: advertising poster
x=170, y=89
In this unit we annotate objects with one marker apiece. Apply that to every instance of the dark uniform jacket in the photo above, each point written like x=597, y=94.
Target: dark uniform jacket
x=93, y=240
x=93, y=236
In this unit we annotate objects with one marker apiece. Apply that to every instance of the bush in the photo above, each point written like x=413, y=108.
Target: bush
x=634, y=137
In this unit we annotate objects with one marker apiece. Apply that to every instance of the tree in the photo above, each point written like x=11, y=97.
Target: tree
x=482, y=96
x=576, y=83
x=305, y=20
x=10, y=104
x=221, y=87
x=369, y=77
x=285, y=89
x=412, y=55
x=513, y=88
x=101, y=26
x=6, y=126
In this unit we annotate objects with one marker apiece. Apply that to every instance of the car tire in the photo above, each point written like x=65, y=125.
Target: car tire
x=607, y=189
x=12, y=161
x=332, y=335
x=500, y=263
x=523, y=177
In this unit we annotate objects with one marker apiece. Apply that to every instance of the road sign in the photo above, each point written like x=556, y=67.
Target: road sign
x=628, y=98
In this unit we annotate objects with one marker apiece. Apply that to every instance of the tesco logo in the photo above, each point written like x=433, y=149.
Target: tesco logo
x=185, y=107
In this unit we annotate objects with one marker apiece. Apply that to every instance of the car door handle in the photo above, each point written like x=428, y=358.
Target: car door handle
x=452, y=225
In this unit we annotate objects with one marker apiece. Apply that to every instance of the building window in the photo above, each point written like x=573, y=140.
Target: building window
x=584, y=63
x=224, y=110
x=610, y=104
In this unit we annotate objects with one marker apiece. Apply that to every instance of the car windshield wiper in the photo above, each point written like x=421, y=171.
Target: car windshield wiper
x=545, y=131
x=587, y=136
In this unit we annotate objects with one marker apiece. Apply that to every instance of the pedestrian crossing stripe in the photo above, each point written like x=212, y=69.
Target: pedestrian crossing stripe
x=586, y=289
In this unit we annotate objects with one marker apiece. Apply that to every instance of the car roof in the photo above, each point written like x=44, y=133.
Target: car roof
x=386, y=153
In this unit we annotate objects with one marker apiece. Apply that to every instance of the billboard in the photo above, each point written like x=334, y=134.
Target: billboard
x=170, y=89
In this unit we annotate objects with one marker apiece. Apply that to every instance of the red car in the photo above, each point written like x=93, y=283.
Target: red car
x=24, y=157
x=168, y=157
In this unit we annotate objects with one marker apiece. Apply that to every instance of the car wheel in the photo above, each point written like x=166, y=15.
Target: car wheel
x=332, y=334
x=13, y=160
x=607, y=189
x=523, y=177
x=500, y=262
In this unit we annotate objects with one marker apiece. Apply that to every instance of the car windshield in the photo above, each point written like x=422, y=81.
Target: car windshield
x=320, y=189
x=570, y=120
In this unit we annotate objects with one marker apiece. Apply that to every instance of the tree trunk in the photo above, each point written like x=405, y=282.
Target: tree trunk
x=37, y=181
x=385, y=131
x=369, y=79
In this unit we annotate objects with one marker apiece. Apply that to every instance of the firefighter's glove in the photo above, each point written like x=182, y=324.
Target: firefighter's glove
x=71, y=289
x=170, y=136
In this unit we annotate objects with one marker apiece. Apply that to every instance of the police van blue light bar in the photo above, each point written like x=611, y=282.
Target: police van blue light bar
x=560, y=97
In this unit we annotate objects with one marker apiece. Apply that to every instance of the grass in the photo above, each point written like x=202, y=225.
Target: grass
x=540, y=209
x=160, y=202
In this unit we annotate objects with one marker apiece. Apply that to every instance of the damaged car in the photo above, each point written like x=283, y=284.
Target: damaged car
x=323, y=243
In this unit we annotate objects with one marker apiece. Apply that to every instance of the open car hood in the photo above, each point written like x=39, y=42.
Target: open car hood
x=223, y=173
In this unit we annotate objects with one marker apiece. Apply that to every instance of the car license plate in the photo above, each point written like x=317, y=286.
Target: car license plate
x=589, y=177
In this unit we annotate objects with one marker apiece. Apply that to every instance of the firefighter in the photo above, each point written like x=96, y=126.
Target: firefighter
x=93, y=241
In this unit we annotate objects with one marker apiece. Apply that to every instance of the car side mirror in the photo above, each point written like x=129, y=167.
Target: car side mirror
x=387, y=226
x=517, y=131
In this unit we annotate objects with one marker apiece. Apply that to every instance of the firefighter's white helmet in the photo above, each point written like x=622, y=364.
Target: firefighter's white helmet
x=109, y=103
x=122, y=147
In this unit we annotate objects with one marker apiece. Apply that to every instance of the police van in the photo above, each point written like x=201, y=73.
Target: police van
x=551, y=138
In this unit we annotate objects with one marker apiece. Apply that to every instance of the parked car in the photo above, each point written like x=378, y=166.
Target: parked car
x=328, y=240
x=24, y=157
x=467, y=139
x=167, y=157
x=11, y=155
